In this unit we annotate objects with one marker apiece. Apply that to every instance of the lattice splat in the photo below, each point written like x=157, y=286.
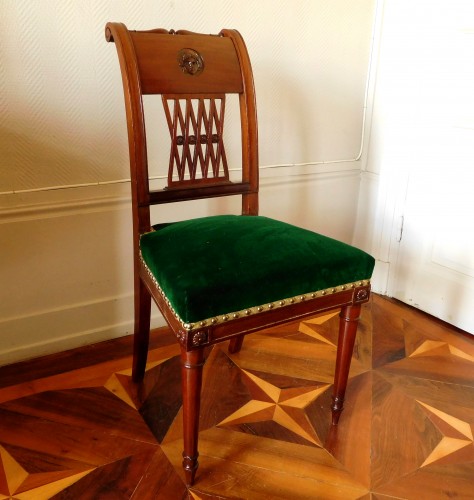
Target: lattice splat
x=197, y=149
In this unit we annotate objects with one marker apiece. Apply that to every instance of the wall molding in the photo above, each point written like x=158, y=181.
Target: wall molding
x=80, y=200
x=59, y=208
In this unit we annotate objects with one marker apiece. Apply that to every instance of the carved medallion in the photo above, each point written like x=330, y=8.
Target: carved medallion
x=190, y=62
x=200, y=338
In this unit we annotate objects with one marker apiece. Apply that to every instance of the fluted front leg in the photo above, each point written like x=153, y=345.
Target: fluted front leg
x=192, y=363
x=348, y=322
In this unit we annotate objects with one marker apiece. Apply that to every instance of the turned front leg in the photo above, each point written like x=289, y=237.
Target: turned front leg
x=348, y=322
x=192, y=363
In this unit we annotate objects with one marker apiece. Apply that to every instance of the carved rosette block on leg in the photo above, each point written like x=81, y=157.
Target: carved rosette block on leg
x=348, y=321
x=192, y=363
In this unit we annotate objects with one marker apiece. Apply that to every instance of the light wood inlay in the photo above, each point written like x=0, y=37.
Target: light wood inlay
x=447, y=446
x=463, y=427
x=308, y=330
x=13, y=473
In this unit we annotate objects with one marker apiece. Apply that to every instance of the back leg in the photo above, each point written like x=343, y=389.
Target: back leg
x=142, y=330
x=236, y=344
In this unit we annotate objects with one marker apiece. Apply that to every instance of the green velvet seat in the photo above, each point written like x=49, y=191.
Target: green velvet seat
x=225, y=264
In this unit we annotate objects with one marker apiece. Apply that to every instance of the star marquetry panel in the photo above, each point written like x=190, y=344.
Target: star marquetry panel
x=282, y=406
x=407, y=430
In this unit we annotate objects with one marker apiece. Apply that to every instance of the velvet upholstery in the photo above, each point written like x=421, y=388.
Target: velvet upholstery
x=222, y=264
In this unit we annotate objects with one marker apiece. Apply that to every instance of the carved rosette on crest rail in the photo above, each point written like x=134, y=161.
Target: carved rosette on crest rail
x=190, y=61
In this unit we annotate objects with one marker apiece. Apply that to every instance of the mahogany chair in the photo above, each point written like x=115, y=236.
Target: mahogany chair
x=219, y=278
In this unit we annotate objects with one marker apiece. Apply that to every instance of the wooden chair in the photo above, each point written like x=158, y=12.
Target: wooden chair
x=219, y=278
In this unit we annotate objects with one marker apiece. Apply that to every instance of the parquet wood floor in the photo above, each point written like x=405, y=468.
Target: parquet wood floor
x=73, y=426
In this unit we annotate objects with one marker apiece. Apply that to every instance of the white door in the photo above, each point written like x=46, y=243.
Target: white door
x=434, y=270
x=433, y=266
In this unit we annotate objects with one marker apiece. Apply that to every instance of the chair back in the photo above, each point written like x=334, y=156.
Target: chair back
x=193, y=73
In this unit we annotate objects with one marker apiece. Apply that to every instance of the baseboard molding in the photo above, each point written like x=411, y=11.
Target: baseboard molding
x=43, y=205
x=68, y=202
x=48, y=332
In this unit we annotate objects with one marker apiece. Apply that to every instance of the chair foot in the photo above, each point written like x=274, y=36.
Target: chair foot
x=336, y=409
x=190, y=466
x=236, y=344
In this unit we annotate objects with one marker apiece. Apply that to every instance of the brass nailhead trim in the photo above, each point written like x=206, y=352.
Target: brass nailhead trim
x=249, y=311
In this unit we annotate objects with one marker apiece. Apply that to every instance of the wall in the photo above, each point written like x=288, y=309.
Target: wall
x=65, y=268
x=376, y=203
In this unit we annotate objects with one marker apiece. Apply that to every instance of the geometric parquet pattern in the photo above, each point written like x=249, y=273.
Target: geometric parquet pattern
x=73, y=426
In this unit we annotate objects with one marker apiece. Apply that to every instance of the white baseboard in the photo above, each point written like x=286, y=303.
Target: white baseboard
x=38, y=334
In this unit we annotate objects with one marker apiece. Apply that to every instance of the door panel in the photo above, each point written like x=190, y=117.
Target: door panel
x=434, y=264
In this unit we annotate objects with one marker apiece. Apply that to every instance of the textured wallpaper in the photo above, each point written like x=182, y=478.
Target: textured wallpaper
x=62, y=120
